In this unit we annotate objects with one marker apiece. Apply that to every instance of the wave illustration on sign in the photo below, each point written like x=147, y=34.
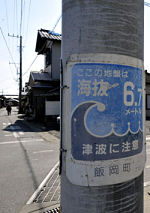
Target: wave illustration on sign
x=101, y=124
x=99, y=140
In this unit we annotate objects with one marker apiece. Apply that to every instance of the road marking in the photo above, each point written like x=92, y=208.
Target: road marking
x=22, y=141
x=13, y=142
x=8, y=135
x=43, y=151
x=21, y=133
x=147, y=167
x=42, y=184
x=147, y=137
x=147, y=183
x=15, y=135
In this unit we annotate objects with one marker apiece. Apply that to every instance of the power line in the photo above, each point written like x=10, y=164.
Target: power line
x=13, y=24
x=6, y=15
x=21, y=17
x=28, y=18
x=12, y=73
x=56, y=23
x=14, y=15
x=17, y=24
x=42, y=47
x=35, y=58
x=8, y=47
x=31, y=65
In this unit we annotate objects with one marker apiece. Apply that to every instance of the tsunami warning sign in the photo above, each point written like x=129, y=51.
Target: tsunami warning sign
x=106, y=121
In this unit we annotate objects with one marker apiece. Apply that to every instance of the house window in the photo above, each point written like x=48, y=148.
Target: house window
x=147, y=101
x=48, y=57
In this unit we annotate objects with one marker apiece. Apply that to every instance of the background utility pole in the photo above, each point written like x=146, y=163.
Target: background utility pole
x=20, y=77
x=103, y=153
x=20, y=73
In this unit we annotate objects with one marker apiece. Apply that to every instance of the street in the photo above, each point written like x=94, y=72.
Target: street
x=26, y=157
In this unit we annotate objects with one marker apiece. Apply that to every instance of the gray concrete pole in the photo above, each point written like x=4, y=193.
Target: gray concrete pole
x=102, y=131
x=20, y=77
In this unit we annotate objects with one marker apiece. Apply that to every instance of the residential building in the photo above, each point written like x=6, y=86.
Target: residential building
x=147, y=80
x=44, y=86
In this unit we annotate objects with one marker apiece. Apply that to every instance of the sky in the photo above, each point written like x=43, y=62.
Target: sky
x=34, y=15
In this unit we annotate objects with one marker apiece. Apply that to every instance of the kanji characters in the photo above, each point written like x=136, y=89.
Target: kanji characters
x=87, y=149
x=110, y=149
x=99, y=171
x=108, y=73
x=135, y=145
x=102, y=90
x=84, y=87
x=126, y=167
x=101, y=87
x=116, y=73
x=100, y=149
x=126, y=146
x=114, y=169
x=94, y=88
x=101, y=72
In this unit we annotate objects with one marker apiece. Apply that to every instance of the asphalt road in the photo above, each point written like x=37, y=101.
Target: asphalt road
x=26, y=157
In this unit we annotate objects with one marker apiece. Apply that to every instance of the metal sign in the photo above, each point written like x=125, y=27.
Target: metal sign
x=106, y=111
x=106, y=119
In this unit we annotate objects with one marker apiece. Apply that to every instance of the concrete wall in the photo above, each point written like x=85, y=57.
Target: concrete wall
x=147, y=93
x=52, y=108
x=56, y=55
x=54, y=68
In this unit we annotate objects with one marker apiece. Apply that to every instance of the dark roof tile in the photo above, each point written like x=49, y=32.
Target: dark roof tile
x=49, y=35
x=41, y=76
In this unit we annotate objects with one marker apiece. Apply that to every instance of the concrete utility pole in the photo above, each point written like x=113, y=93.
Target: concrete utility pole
x=103, y=149
x=20, y=73
x=20, y=77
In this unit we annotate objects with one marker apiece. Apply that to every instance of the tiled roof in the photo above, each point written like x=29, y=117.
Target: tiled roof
x=41, y=76
x=49, y=35
x=43, y=36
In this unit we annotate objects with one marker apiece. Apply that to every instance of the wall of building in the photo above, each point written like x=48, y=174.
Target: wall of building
x=147, y=98
x=52, y=108
x=56, y=55
x=148, y=101
x=48, y=69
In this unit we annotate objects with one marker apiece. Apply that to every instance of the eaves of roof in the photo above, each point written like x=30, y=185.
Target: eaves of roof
x=42, y=86
x=42, y=37
x=41, y=76
x=48, y=35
